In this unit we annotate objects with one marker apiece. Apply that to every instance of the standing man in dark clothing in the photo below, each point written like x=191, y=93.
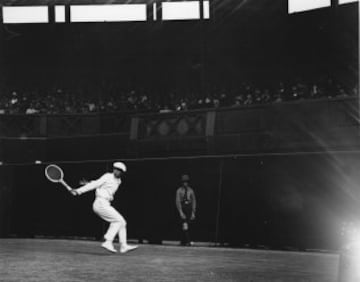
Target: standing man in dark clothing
x=186, y=206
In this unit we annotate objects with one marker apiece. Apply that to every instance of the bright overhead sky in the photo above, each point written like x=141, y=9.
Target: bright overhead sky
x=176, y=10
x=305, y=5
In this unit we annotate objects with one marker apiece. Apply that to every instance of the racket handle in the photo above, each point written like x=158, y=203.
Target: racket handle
x=65, y=185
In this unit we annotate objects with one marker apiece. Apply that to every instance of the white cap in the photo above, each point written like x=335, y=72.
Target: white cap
x=120, y=165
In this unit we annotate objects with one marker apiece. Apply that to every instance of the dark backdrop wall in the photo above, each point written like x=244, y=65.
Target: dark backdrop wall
x=6, y=200
x=299, y=201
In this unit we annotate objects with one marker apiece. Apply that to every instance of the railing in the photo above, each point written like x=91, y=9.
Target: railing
x=302, y=126
x=21, y=125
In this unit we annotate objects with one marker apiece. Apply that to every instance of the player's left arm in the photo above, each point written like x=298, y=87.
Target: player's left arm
x=92, y=185
x=178, y=204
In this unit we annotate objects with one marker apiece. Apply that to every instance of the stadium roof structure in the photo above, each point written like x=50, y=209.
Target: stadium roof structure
x=252, y=33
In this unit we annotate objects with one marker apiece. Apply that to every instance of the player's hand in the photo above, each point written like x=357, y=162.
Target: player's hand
x=182, y=215
x=83, y=181
x=74, y=192
x=192, y=216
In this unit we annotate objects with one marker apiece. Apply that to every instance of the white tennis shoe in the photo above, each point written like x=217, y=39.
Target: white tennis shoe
x=127, y=248
x=108, y=246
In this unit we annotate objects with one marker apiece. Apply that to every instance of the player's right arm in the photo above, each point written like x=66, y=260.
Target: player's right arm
x=92, y=185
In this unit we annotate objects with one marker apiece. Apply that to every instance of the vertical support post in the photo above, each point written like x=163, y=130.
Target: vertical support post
x=2, y=42
x=201, y=3
x=203, y=49
x=218, y=208
x=159, y=10
x=67, y=14
x=134, y=127
x=210, y=131
x=150, y=11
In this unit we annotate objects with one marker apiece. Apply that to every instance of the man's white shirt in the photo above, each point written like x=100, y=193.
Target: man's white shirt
x=105, y=186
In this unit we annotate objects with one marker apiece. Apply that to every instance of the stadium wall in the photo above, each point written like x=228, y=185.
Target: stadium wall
x=296, y=185
x=301, y=201
x=306, y=126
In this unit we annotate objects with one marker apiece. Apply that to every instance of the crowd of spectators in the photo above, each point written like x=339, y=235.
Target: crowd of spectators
x=65, y=100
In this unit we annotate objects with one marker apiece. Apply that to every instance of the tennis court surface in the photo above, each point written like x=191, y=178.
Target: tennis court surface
x=77, y=260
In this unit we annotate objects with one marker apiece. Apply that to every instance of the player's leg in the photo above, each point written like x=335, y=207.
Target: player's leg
x=124, y=246
x=186, y=226
x=186, y=233
x=104, y=210
x=182, y=227
x=112, y=231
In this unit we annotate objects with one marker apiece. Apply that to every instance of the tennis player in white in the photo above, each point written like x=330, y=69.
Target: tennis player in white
x=105, y=187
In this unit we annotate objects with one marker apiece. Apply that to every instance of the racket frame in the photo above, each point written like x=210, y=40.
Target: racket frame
x=61, y=180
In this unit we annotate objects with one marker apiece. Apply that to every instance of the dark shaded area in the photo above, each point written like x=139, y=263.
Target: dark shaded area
x=296, y=201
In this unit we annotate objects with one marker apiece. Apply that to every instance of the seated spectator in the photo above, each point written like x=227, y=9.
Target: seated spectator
x=223, y=100
x=208, y=102
x=165, y=109
x=31, y=109
x=216, y=103
x=92, y=97
x=355, y=91
x=265, y=97
x=237, y=103
x=249, y=100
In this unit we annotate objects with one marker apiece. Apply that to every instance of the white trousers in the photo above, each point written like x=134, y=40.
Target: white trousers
x=117, y=222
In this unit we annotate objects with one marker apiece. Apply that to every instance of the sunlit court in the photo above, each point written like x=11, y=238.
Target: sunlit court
x=73, y=260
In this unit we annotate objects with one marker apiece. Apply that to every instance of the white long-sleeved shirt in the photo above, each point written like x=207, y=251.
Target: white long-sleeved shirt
x=105, y=186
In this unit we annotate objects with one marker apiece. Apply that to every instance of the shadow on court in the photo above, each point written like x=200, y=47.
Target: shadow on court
x=72, y=260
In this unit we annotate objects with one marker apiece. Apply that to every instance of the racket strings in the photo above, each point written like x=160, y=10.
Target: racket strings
x=54, y=173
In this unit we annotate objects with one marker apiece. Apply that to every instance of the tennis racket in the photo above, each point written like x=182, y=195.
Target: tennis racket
x=55, y=174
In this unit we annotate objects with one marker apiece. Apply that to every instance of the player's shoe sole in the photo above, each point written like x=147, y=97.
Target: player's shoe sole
x=128, y=248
